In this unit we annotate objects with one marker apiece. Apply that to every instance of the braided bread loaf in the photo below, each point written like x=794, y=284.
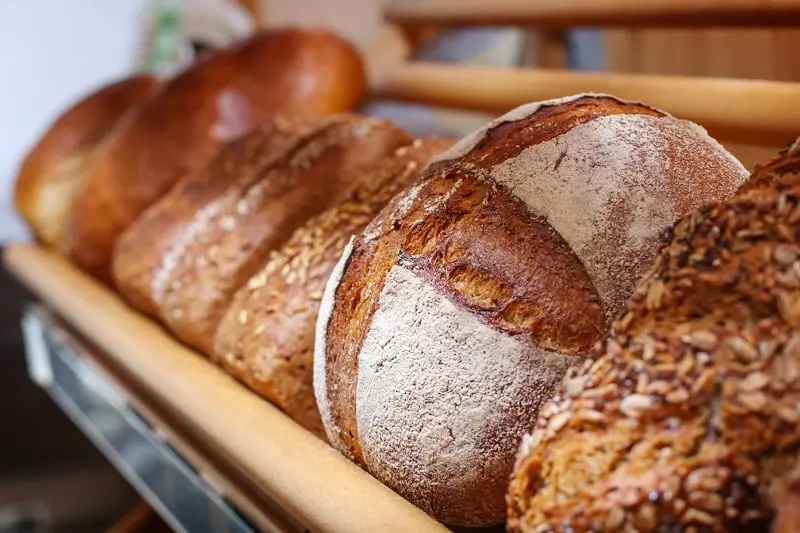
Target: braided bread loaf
x=455, y=314
x=688, y=418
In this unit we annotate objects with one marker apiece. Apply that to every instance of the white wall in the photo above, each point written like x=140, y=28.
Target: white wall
x=51, y=53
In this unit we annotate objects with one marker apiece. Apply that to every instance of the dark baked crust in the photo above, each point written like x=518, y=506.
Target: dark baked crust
x=463, y=249
x=540, y=292
x=267, y=336
x=216, y=100
x=315, y=174
x=57, y=160
x=689, y=416
x=144, y=248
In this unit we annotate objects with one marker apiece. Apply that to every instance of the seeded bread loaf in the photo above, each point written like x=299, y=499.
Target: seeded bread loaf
x=51, y=173
x=455, y=314
x=266, y=339
x=688, y=418
x=148, y=251
x=218, y=99
x=216, y=249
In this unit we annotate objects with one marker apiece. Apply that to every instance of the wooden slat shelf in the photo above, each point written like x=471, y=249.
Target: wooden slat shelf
x=762, y=113
x=292, y=468
x=595, y=13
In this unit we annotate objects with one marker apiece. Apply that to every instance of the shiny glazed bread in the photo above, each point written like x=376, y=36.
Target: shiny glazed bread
x=206, y=254
x=266, y=339
x=452, y=318
x=51, y=173
x=221, y=97
x=688, y=416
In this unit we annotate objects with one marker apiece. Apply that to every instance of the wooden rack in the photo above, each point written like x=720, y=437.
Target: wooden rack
x=595, y=13
x=276, y=460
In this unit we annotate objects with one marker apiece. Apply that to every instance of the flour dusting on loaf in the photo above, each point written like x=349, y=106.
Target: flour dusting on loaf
x=465, y=145
x=200, y=222
x=321, y=342
x=440, y=393
x=611, y=186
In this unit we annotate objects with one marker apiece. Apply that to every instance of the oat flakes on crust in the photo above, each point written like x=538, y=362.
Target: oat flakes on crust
x=688, y=416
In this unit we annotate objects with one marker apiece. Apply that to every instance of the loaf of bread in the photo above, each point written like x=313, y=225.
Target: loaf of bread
x=207, y=253
x=266, y=338
x=452, y=318
x=51, y=173
x=688, y=416
x=221, y=97
x=152, y=246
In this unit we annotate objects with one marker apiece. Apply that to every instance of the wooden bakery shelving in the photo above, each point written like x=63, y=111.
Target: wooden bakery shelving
x=594, y=13
x=107, y=362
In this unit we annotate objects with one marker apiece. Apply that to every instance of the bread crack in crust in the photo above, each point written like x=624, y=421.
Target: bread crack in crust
x=687, y=417
x=453, y=317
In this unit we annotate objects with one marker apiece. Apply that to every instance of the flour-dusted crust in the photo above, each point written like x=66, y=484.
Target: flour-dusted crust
x=314, y=175
x=465, y=145
x=687, y=417
x=145, y=259
x=266, y=338
x=446, y=395
x=492, y=235
x=614, y=224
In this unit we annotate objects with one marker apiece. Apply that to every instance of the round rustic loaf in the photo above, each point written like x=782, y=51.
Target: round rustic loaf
x=455, y=314
x=51, y=173
x=221, y=97
x=688, y=418
x=266, y=338
x=210, y=252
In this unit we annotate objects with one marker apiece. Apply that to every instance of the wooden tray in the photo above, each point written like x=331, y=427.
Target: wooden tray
x=234, y=428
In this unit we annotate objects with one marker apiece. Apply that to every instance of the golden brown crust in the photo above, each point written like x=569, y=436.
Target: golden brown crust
x=150, y=247
x=51, y=172
x=217, y=254
x=546, y=297
x=689, y=416
x=517, y=232
x=219, y=98
x=267, y=336
x=462, y=248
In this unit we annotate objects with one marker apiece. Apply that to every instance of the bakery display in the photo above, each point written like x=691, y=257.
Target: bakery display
x=266, y=339
x=52, y=171
x=474, y=323
x=453, y=316
x=223, y=96
x=687, y=418
x=209, y=251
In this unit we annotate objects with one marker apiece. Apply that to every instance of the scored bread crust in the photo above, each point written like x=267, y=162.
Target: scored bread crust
x=266, y=338
x=314, y=174
x=51, y=173
x=486, y=242
x=689, y=414
x=217, y=99
x=150, y=249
